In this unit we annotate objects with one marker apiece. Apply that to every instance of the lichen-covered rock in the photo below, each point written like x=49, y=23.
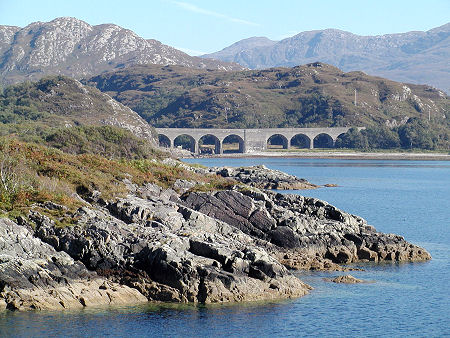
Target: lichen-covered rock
x=264, y=178
x=314, y=230
x=170, y=252
x=33, y=275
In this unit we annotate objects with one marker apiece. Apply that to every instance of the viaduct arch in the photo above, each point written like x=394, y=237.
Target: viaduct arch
x=253, y=140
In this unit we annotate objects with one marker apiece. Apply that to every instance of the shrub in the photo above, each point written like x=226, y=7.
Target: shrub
x=17, y=182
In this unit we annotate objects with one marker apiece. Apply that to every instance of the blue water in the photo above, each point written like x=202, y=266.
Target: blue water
x=411, y=198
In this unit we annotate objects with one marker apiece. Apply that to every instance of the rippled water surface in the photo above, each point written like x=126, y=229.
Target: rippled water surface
x=411, y=198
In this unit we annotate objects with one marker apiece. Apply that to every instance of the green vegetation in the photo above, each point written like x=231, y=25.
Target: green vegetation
x=352, y=139
x=62, y=113
x=414, y=134
x=107, y=141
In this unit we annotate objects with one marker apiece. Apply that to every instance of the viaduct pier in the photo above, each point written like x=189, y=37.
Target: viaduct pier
x=252, y=140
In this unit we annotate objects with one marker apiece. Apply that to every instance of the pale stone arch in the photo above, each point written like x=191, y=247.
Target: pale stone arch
x=209, y=144
x=323, y=140
x=300, y=141
x=276, y=141
x=164, y=141
x=185, y=141
x=233, y=143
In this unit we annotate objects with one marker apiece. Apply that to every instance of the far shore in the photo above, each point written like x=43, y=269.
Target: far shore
x=339, y=155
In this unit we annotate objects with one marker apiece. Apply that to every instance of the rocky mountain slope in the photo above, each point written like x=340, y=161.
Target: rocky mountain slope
x=72, y=47
x=413, y=57
x=316, y=94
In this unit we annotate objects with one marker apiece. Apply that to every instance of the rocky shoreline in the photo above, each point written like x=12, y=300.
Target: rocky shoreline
x=185, y=245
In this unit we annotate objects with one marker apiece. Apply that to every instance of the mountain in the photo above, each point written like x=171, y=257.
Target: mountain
x=414, y=57
x=71, y=47
x=34, y=108
x=316, y=94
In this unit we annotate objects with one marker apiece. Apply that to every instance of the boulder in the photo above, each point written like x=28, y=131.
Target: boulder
x=347, y=279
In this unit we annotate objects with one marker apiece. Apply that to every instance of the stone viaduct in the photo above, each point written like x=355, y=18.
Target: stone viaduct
x=252, y=140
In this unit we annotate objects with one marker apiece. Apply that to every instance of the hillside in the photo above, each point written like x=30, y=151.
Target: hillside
x=414, y=57
x=72, y=47
x=312, y=95
x=35, y=110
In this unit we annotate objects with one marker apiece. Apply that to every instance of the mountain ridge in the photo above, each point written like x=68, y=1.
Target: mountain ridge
x=416, y=57
x=71, y=47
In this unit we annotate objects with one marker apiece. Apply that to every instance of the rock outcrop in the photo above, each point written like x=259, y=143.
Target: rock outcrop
x=258, y=176
x=303, y=227
x=201, y=247
x=264, y=178
x=347, y=279
x=172, y=253
x=34, y=276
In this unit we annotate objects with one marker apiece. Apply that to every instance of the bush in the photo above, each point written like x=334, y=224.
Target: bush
x=107, y=141
x=17, y=182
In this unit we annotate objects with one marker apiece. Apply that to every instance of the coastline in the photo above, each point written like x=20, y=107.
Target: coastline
x=338, y=155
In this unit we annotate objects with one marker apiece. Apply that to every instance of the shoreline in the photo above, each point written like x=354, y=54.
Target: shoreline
x=337, y=155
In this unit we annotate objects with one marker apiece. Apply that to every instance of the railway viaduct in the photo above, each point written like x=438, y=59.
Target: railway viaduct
x=252, y=140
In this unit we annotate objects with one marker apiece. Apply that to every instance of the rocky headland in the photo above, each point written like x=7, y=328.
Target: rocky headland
x=183, y=245
x=258, y=176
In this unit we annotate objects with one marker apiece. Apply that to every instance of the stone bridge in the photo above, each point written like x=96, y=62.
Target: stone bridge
x=252, y=140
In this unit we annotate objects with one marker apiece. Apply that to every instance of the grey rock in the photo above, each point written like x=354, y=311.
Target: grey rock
x=173, y=253
x=262, y=177
x=33, y=275
x=310, y=226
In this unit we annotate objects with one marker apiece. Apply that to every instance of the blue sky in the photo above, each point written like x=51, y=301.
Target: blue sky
x=201, y=26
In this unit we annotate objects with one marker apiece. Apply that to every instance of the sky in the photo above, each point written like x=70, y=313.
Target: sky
x=202, y=26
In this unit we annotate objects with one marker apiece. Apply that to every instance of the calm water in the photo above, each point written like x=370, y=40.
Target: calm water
x=410, y=198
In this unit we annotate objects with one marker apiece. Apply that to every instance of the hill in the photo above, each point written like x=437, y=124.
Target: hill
x=70, y=115
x=312, y=95
x=415, y=57
x=72, y=47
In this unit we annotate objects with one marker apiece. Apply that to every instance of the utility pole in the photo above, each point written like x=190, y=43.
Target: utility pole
x=355, y=96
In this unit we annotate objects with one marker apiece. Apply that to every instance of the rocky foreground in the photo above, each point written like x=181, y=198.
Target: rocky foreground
x=182, y=246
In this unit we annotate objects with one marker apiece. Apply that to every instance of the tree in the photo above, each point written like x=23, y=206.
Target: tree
x=353, y=138
x=417, y=133
x=381, y=137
